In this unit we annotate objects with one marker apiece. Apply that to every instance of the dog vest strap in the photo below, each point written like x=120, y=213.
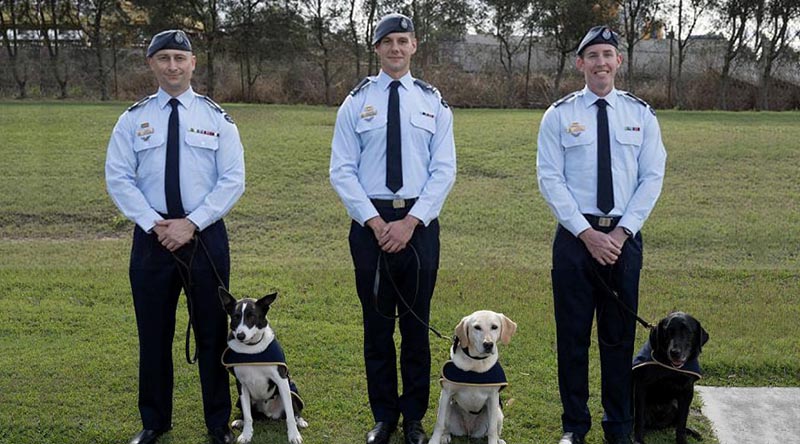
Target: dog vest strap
x=645, y=357
x=494, y=377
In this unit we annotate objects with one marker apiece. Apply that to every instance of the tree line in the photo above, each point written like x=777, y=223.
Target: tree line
x=313, y=50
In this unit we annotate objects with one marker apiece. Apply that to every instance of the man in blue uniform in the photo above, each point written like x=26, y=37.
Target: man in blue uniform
x=393, y=163
x=175, y=166
x=600, y=167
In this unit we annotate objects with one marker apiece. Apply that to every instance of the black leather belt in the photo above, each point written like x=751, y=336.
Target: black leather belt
x=602, y=221
x=393, y=203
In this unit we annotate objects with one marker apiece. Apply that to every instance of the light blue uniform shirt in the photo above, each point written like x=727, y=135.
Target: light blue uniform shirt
x=211, y=160
x=566, y=162
x=358, y=150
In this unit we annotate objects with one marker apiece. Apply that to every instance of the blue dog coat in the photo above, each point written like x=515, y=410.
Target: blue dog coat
x=494, y=377
x=273, y=355
x=645, y=357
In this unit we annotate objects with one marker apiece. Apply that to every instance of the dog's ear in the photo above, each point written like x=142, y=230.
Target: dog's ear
x=701, y=336
x=228, y=301
x=266, y=301
x=462, y=333
x=657, y=333
x=507, y=329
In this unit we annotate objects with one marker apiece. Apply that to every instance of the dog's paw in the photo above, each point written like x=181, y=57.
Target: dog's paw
x=295, y=438
x=244, y=438
x=501, y=441
x=302, y=423
x=237, y=424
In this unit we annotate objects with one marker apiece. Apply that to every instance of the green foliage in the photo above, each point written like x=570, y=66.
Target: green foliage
x=722, y=244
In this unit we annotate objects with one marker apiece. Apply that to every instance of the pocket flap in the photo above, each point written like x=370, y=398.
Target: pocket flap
x=198, y=140
x=424, y=120
x=147, y=142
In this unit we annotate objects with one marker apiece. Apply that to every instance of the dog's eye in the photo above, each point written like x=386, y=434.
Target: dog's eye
x=494, y=327
x=477, y=327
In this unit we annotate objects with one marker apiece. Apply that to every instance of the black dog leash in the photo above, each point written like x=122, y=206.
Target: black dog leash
x=376, y=288
x=615, y=297
x=186, y=277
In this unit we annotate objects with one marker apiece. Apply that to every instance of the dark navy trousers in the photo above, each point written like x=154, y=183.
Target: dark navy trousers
x=578, y=298
x=379, y=312
x=156, y=285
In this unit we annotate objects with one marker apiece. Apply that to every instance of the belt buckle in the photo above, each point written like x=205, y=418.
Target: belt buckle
x=604, y=222
x=398, y=203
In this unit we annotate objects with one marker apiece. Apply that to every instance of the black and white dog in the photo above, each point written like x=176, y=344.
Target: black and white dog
x=255, y=357
x=664, y=373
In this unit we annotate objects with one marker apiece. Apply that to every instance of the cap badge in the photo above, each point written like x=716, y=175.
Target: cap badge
x=403, y=23
x=606, y=34
x=179, y=38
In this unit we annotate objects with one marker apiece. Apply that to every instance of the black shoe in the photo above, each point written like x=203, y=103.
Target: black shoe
x=147, y=436
x=571, y=438
x=381, y=432
x=221, y=436
x=414, y=433
x=616, y=439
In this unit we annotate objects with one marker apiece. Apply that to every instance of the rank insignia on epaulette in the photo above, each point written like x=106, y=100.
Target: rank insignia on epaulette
x=228, y=118
x=369, y=112
x=575, y=129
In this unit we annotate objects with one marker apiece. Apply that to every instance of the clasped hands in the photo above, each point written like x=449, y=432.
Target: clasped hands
x=174, y=233
x=393, y=236
x=605, y=248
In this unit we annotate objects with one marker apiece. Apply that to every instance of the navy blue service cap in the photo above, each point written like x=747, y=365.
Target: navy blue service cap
x=597, y=35
x=169, y=39
x=392, y=23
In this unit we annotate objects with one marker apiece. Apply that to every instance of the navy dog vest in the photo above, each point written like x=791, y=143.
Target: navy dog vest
x=645, y=357
x=273, y=355
x=494, y=377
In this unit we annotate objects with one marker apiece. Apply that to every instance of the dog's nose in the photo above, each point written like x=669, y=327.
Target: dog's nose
x=487, y=346
x=240, y=336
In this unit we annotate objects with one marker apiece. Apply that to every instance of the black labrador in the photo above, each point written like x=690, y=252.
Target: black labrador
x=664, y=373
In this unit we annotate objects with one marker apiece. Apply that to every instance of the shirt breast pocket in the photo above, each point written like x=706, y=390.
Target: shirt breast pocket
x=371, y=132
x=423, y=127
x=580, y=152
x=630, y=138
x=202, y=141
x=147, y=142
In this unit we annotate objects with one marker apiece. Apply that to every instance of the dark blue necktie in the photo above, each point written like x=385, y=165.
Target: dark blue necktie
x=172, y=175
x=394, y=163
x=605, y=184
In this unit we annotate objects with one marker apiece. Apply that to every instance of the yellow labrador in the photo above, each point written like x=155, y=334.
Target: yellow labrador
x=469, y=404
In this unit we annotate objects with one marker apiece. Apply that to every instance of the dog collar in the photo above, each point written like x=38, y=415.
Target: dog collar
x=477, y=358
x=646, y=356
x=494, y=377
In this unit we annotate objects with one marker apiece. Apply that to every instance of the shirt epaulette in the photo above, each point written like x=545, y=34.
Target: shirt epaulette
x=360, y=86
x=564, y=99
x=141, y=102
x=647, y=105
x=431, y=89
x=215, y=106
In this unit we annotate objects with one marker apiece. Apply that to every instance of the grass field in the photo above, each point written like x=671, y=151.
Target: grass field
x=723, y=244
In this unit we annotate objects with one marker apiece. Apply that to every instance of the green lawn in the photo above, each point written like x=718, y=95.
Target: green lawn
x=723, y=244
